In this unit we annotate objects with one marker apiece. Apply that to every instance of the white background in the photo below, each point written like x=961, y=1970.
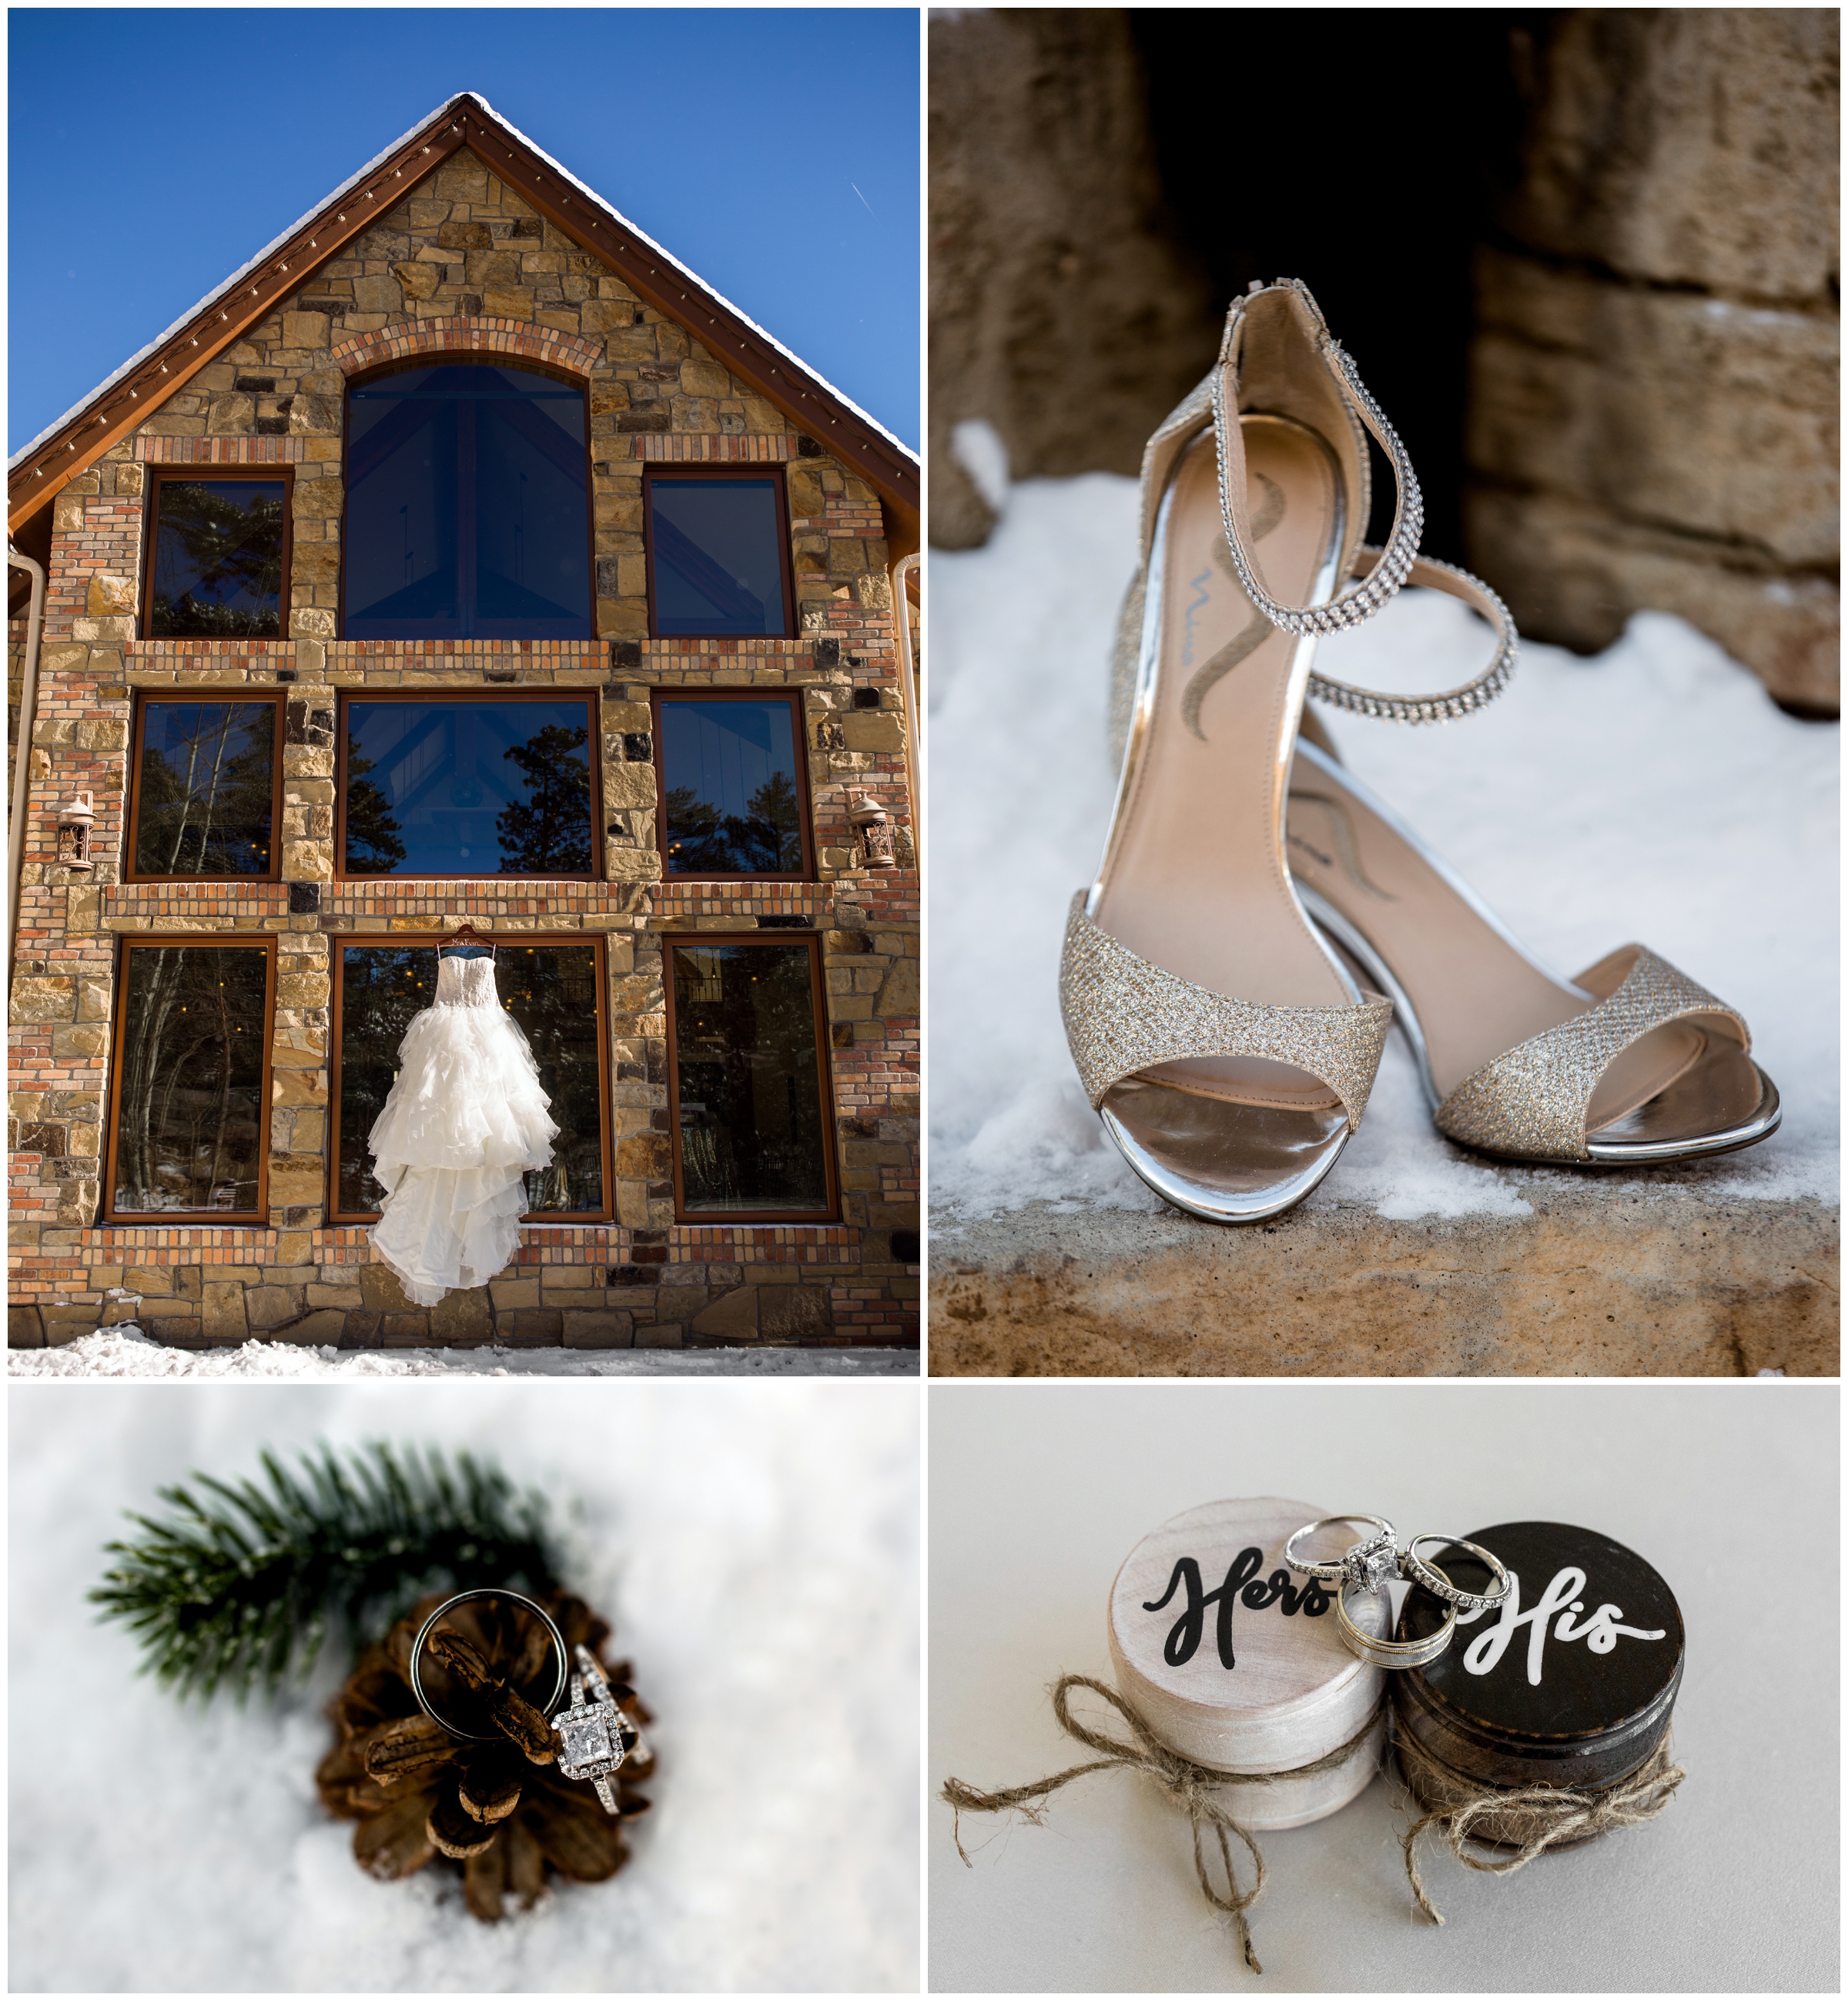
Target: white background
x=1732, y=1491
x=755, y=1546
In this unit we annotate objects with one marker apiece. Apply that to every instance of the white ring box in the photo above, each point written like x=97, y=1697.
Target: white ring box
x=1293, y=1694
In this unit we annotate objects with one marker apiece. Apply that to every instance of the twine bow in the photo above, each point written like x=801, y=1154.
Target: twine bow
x=1189, y=1786
x=1537, y=1817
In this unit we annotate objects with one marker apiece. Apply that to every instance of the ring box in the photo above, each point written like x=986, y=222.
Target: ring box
x=1213, y=1583
x=1569, y=1681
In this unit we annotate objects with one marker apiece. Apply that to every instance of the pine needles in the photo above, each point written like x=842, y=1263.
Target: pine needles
x=240, y=1588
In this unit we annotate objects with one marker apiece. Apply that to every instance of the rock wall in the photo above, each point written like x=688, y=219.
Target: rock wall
x=1062, y=310
x=1654, y=405
x=461, y=265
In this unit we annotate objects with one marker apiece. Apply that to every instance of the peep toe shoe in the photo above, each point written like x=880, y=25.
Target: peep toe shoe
x=1228, y=1047
x=1629, y=1063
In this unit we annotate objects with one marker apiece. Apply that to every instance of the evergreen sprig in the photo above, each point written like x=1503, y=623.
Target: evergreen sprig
x=241, y=1588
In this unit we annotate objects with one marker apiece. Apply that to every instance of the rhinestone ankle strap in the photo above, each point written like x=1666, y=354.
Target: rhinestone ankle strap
x=1459, y=701
x=1353, y=607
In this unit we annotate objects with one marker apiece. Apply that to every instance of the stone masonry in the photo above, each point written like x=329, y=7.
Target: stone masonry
x=1655, y=371
x=462, y=266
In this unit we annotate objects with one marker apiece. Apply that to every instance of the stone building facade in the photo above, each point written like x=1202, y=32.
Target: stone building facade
x=465, y=241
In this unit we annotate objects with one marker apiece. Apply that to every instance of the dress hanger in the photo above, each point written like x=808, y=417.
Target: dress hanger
x=456, y=937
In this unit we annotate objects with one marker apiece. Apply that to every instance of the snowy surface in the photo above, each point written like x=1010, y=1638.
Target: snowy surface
x=126, y=1351
x=756, y=1546
x=1653, y=794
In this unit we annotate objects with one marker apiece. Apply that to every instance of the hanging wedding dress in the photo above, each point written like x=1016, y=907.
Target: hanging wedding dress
x=465, y=1120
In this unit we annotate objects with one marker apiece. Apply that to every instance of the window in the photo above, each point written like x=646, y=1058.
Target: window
x=485, y=786
x=205, y=786
x=753, y=1138
x=467, y=506
x=190, y=1122
x=553, y=988
x=733, y=801
x=218, y=554
x=718, y=555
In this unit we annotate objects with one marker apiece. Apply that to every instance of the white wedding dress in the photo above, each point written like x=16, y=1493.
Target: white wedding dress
x=465, y=1120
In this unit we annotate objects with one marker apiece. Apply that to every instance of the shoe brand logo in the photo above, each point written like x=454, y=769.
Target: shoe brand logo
x=1270, y=512
x=1342, y=830
x=1600, y=1632
x=1243, y=1586
x=1198, y=584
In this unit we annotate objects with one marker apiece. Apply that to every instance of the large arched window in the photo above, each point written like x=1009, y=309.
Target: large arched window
x=467, y=506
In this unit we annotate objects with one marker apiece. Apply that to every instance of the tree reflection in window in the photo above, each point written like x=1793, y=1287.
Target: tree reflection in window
x=217, y=559
x=191, y=1122
x=548, y=832
x=733, y=807
x=458, y=788
x=550, y=989
x=205, y=788
x=752, y=1131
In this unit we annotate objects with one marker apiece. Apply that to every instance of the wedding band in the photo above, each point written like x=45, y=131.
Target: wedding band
x=463, y=1598
x=1433, y=1579
x=1392, y=1653
x=1368, y=1563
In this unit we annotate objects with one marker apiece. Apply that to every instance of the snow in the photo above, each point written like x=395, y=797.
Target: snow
x=127, y=1351
x=1654, y=793
x=756, y=1546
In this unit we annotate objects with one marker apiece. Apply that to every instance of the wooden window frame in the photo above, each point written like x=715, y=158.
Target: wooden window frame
x=436, y=697
x=519, y=363
x=132, y=942
x=660, y=698
x=212, y=475
x=146, y=698
x=776, y=476
x=671, y=942
x=599, y=943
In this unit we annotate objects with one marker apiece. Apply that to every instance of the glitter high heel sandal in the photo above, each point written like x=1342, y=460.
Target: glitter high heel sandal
x=1227, y=1048
x=1629, y=1063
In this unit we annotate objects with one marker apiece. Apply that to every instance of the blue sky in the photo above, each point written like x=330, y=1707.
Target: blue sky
x=151, y=151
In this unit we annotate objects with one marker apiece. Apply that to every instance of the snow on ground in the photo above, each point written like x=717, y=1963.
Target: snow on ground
x=126, y=1351
x=755, y=1545
x=1654, y=793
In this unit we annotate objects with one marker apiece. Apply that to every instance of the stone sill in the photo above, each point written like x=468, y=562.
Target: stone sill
x=1668, y=1282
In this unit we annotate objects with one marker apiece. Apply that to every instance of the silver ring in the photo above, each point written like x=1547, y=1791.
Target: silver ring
x=595, y=1736
x=449, y=1605
x=1368, y=1563
x=1434, y=1581
x=1392, y=1653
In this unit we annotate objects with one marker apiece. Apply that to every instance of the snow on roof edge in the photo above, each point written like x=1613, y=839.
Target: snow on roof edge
x=236, y=278
x=250, y=264
x=641, y=235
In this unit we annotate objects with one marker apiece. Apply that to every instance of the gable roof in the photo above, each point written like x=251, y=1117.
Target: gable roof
x=116, y=406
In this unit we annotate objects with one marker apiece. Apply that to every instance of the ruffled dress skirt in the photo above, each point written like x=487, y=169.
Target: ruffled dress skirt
x=465, y=1122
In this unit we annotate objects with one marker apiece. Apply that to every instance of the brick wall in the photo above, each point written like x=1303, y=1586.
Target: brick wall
x=462, y=264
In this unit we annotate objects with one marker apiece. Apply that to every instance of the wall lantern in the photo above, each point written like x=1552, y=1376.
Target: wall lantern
x=873, y=825
x=74, y=826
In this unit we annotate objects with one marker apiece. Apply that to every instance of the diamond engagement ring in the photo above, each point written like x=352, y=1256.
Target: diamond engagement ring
x=595, y=1736
x=1368, y=1564
x=428, y=1626
x=1434, y=1581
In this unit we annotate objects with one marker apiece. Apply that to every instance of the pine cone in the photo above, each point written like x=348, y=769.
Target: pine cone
x=500, y=1813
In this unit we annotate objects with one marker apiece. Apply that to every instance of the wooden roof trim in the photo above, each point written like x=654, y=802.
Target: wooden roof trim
x=47, y=466
x=660, y=280
x=114, y=410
